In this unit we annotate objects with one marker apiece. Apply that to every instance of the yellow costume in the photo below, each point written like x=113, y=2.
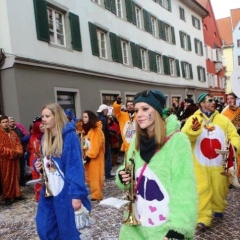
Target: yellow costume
x=94, y=144
x=234, y=116
x=126, y=124
x=211, y=185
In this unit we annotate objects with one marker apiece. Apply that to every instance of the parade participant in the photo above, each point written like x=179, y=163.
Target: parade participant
x=165, y=186
x=94, y=147
x=114, y=132
x=102, y=116
x=208, y=130
x=126, y=120
x=33, y=149
x=232, y=112
x=61, y=165
x=10, y=152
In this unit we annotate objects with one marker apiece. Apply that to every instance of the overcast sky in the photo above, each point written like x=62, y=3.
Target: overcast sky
x=222, y=8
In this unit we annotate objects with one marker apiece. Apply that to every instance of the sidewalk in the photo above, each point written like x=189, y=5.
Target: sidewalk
x=17, y=221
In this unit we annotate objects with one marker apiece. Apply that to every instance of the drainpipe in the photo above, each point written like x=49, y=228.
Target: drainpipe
x=2, y=59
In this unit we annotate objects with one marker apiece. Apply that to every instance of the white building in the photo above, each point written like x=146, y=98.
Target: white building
x=84, y=53
x=236, y=44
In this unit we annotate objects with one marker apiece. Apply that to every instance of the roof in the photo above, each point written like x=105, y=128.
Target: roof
x=225, y=30
x=203, y=2
x=235, y=15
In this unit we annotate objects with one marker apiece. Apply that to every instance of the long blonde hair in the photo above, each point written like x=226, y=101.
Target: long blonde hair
x=159, y=132
x=50, y=147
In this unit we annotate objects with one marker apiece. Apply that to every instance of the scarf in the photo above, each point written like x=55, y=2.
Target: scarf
x=147, y=148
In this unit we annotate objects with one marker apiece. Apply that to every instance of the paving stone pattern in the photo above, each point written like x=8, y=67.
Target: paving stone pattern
x=17, y=221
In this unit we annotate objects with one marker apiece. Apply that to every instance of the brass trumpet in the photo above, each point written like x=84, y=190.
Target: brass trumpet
x=129, y=214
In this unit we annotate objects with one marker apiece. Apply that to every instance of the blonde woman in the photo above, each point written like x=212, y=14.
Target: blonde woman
x=164, y=186
x=65, y=173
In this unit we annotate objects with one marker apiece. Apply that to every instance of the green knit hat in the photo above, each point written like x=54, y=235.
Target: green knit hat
x=154, y=98
x=202, y=97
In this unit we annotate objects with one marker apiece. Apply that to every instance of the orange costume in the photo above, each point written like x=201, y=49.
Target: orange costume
x=94, y=146
x=10, y=152
x=126, y=124
x=233, y=113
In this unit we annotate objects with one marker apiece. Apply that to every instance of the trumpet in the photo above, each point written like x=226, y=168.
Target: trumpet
x=129, y=214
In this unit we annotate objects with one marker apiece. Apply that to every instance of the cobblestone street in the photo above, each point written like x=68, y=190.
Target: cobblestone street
x=17, y=221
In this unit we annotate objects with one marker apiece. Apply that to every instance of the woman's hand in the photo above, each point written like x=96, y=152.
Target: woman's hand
x=38, y=165
x=77, y=204
x=125, y=177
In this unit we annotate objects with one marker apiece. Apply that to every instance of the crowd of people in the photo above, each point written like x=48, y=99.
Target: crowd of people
x=174, y=153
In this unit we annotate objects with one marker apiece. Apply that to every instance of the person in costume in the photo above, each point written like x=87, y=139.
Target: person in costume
x=126, y=120
x=165, y=186
x=94, y=147
x=10, y=152
x=232, y=112
x=209, y=130
x=33, y=148
x=63, y=172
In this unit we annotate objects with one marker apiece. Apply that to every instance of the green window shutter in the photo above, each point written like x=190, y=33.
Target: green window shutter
x=129, y=10
x=183, y=71
x=166, y=67
x=107, y=4
x=119, y=50
x=199, y=26
x=191, y=72
x=113, y=40
x=204, y=75
x=169, y=5
x=152, y=61
x=75, y=31
x=201, y=45
x=134, y=54
x=177, y=67
x=181, y=38
x=189, y=43
x=193, y=20
x=198, y=71
x=161, y=26
x=195, y=43
x=147, y=21
x=113, y=7
x=94, y=40
x=139, y=60
x=173, y=36
x=41, y=19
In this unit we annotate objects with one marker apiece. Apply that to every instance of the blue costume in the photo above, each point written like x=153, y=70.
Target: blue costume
x=55, y=214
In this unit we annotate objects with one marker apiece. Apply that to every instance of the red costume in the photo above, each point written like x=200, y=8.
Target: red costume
x=33, y=148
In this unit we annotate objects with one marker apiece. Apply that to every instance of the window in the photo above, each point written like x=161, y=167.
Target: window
x=172, y=67
x=97, y=1
x=108, y=98
x=198, y=47
x=182, y=13
x=185, y=41
x=159, y=64
x=102, y=44
x=187, y=70
x=238, y=43
x=125, y=52
x=196, y=22
x=119, y=8
x=154, y=28
x=166, y=32
x=201, y=74
x=238, y=60
x=166, y=4
x=221, y=79
x=56, y=27
x=144, y=58
x=138, y=17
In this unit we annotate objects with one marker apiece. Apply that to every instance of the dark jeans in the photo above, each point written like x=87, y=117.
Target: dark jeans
x=22, y=170
x=108, y=161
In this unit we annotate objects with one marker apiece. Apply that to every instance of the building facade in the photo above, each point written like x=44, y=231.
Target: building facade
x=85, y=53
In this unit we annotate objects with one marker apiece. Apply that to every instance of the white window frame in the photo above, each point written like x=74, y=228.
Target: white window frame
x=119, y=8
x=164, y=3
x=124, y=46
x=143, y=58
x=185, y=41
x=138, y=17
x=201, y=74
x=159, y=64
x=196, y=22
x=186, y=70
x=102, y=43
x=54, y=24
x=238, y=60
x=168, y=33
x=154, y=26
x=172, y=66
x=238, y=43
x=198, y=47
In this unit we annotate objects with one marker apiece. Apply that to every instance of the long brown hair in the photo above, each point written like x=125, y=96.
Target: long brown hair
x=159, y=132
